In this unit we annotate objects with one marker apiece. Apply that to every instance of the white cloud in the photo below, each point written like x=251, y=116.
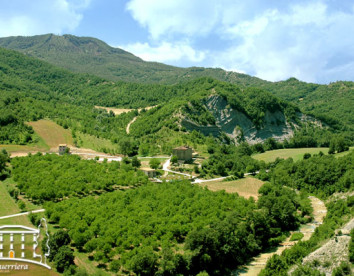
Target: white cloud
x=163, y=17
x=299, y=43
x=273, y=40
x=19, y=17
x=165, y=52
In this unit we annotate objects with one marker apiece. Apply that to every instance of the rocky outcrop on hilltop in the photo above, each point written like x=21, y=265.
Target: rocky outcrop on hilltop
x=238, y=126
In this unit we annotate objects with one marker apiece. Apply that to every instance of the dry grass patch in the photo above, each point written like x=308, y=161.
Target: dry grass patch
x=118, y=111
x=52, y=133
x=246, y=187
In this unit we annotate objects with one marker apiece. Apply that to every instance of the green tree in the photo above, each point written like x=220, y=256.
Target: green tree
x=344, y=269
x=136, y=162
x=56, y=241
x=125, y=146
x=4, y=158
x=21, y=205
x=144, y=262
x=64, y=258
x=174, y=159
x=332, y=147
x=154, y=163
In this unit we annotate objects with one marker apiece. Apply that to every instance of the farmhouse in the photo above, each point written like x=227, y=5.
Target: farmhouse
x=62, y=149
x=183, y=153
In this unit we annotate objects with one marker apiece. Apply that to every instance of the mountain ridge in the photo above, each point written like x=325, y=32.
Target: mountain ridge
x=109, y=62
x=332, y=103
x=32, y=89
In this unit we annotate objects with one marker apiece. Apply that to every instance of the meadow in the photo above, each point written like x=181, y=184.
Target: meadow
x=52, y=133
x=295, y=154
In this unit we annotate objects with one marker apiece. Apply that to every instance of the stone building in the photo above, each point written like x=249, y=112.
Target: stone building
x=183, y=153
x=62, y=149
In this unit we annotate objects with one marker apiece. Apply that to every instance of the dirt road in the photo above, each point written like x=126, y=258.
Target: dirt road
x=255, y=267
x=128, y=126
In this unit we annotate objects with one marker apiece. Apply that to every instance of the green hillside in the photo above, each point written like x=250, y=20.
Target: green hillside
x=93, y=56
x=32, y=90
x=332, y=103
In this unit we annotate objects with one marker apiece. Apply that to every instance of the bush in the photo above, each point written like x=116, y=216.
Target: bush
x=296, y=236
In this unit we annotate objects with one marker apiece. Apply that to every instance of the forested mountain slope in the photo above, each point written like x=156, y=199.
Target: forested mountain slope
x=90, y=55
x=32, y=89
x=333, y=102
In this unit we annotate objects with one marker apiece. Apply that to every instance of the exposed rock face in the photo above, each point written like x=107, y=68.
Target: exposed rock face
x=331, y=254
x=206, y=130
x=236, y=124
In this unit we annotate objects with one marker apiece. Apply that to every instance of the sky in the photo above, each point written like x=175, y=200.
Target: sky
x=311, y=40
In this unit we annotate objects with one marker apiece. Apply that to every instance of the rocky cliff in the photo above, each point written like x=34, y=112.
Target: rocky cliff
x=238, y=126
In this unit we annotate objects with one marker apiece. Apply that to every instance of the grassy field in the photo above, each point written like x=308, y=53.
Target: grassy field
x=39, y=145
x=82, y=261
x=344, y=153
x=10, y=183
x=296, y=154
x=245, y=187
x=52, y=133
x=92, y=142
x=8, y=206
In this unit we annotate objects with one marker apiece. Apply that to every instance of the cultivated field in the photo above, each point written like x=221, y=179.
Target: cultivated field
x=52, y=133
x=245, y=187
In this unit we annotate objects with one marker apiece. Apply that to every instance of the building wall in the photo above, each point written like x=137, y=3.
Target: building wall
x=62, y=149
x=183, y=154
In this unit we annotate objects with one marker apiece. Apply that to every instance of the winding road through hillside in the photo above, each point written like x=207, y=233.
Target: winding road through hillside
x=259, y=262
x=129, y=124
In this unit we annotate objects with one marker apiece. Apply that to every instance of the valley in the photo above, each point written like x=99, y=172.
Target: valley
x=170, y=171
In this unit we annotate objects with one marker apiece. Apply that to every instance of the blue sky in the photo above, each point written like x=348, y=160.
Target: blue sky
x=311, y=40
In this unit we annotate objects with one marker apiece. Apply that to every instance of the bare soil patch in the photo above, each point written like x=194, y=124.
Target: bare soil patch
x=246, y=187
x=118, y=111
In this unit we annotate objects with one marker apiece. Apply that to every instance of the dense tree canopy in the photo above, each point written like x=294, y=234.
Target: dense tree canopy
x=145, y=227
x=52, y=177
x=320, y=174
